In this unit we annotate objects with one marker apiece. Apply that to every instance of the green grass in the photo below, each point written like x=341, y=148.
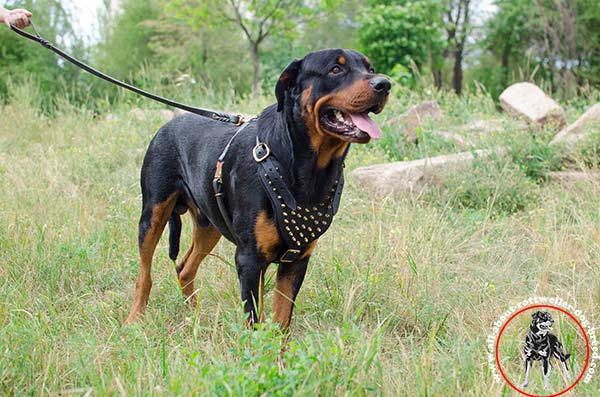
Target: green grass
x=398, y=300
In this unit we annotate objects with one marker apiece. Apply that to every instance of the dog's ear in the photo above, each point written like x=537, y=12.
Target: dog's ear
x=535, y=315
x=286, y=81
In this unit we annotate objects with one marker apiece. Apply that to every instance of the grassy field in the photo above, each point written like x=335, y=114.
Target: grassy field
x=398, y=300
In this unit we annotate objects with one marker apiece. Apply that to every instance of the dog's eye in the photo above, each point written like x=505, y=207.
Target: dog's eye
x=371, y=70
x=335, y=70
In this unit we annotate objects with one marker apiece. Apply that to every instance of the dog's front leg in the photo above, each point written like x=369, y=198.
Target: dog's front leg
x=287, y=285
x=250, y=269
x=546, y=368
x=527, y=372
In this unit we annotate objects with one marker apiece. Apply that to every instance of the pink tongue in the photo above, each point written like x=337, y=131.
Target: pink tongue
x=366, y=124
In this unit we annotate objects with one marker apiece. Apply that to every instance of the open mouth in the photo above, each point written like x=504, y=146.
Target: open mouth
x=357, y=127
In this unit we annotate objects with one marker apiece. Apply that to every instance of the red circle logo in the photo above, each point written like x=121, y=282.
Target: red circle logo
x=572, y=318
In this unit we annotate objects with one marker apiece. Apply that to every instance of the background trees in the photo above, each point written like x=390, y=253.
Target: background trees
x=241, y=45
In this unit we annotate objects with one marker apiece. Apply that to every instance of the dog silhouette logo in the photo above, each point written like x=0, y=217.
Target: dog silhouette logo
x=543, y=346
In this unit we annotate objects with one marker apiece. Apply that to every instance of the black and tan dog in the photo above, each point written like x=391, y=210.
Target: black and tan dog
x=279, y=181
x=541, y=345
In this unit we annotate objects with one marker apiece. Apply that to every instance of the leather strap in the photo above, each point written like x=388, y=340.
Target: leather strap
x=272, y=180
x=218, y=182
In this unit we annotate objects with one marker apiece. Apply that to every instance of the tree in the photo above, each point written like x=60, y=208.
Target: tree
x=559, y=40
x=256, y=19
x=508, y=34
x=401, y=34
x=458, y=26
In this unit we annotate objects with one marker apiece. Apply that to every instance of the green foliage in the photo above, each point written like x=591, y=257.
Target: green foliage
x=22, y=60
x=535, y=156
x=126, y=47
x=497, y=187
x=404, y=34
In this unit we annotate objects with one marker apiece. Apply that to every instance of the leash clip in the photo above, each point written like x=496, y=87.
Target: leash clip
x=260, y=146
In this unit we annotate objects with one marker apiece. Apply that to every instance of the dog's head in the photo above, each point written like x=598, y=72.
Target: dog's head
x=541, y=322
x=334, y=91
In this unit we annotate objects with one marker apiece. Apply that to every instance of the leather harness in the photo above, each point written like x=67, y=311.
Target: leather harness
x=298, y=223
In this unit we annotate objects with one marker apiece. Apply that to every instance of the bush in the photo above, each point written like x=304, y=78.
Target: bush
x=498, y=187
x=536, y=160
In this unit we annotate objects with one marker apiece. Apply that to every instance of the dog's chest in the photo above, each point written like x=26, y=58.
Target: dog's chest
x=299, y=222
x=306, y=223
x=539, y=346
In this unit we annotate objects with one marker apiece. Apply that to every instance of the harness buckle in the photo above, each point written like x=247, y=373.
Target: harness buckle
x=219, y=171
x=257, y=156
x=290, y=256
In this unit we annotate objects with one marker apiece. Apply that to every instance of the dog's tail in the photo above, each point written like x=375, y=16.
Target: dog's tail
x=174, y=235
x=559, y=352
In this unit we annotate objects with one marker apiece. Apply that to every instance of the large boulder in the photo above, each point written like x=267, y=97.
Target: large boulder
x=412, y=176
x=414, y=118
x=580, y=129
x=528, y=101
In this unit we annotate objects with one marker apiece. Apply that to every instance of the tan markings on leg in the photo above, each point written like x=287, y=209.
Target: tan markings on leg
x=204, y=240
x=160, y=215
x=283, y=300
x=267, y=237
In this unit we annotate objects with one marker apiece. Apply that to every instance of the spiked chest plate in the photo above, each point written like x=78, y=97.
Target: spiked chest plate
x=299, y=224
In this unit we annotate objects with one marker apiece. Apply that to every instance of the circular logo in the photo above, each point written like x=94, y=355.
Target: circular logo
x=542, y=350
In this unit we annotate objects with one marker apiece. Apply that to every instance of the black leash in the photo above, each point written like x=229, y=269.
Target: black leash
x=229, y=118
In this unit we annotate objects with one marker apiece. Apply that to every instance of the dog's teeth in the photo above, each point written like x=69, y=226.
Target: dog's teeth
x=338, y=115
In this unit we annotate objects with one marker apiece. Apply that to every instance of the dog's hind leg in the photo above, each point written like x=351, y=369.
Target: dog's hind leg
x=527, y=372
x=152, y=223
x=204, y=239
x=563, y=357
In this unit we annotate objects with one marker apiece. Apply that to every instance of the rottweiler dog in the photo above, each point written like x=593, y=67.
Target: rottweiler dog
x=279, y=178
x=541, y=345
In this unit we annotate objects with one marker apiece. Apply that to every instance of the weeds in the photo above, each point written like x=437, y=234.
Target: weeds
x=398, y=299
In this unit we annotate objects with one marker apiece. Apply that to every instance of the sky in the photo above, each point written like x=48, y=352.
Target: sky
x=84, y=14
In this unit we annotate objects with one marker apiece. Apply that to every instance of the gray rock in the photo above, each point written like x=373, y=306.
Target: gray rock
x=412, y=176
x=527, y=101
x=460, y=140
x=580, y=128
x=414, y=118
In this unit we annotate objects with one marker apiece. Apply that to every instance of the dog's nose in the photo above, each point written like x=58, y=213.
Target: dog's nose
x=381, y=84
